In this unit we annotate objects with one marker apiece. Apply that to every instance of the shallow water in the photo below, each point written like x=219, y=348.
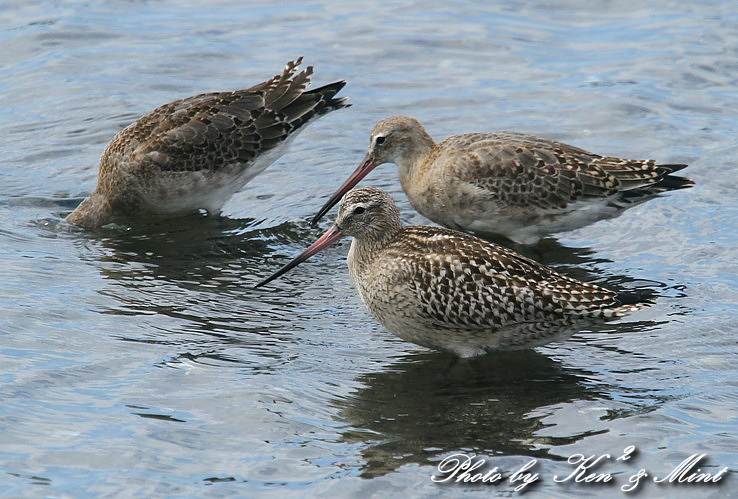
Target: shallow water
x=142, y=362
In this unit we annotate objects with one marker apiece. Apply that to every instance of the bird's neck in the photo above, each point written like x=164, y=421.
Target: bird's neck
x=94, y=211
x=366, y=248
x=412, y=163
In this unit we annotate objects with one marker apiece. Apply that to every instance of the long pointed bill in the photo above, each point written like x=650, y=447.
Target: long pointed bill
x=364, y=168
x=331, y=236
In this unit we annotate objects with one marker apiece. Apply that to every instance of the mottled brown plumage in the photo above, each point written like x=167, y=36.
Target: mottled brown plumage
x=452, y=291
x=196, y=152
x=513, y=184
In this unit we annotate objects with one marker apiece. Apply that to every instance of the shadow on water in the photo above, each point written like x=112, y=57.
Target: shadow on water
x=190, y=282
x=424, y=407
x=198, y=253
x=193, y=249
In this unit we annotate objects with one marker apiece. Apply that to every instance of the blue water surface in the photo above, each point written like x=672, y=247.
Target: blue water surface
x=141, y=361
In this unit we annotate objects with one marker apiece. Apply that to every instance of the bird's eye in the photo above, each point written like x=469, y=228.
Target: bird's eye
x=379, y=140
x=359, y=210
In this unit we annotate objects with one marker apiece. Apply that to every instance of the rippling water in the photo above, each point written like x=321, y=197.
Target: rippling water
x=142, y=362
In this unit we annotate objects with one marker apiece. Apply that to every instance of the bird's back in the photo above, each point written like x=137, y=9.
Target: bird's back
x=523, y=186
x=212, y=131
x=451, y=279
x=196, y=152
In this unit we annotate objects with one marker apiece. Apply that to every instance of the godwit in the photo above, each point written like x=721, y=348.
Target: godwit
x=194, y=153
x=517, y=185
x=452, y=291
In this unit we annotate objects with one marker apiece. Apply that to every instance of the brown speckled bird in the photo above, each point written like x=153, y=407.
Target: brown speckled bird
x=452, y=291
x=513, y=184
x=194, y=153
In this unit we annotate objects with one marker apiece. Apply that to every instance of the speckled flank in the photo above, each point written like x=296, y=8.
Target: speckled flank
x=513, y=184
x=452, y=291
x=194, y=153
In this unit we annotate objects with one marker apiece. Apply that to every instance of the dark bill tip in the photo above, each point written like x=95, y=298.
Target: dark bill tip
x=364, y=168
x=331, y=236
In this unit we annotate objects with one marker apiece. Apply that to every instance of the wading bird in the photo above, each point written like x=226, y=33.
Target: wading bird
x=520, y=186
x=194, y=153
x=452, y=291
